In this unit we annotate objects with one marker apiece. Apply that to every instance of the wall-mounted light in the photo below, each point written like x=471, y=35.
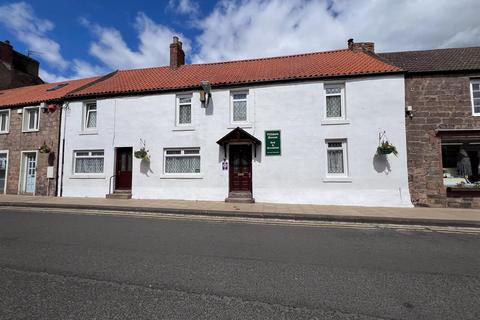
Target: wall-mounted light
x=409, y=111
x=205, y=93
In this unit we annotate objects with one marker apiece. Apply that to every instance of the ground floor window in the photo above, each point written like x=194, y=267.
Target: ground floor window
x=336, y=158
x=88, y=161
x=182, y=160
x=461, y=162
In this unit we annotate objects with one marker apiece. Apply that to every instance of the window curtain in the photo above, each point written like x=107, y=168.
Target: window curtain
x=182, y=164
x=335, y=161
x=89, y=165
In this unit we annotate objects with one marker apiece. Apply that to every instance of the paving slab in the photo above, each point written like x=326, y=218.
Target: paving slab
x=421, y=216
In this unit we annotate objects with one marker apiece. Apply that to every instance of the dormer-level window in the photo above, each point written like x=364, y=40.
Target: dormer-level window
x=334, y=102
x=239, y=111
x=90, y=116
x=4, y=121
x=475, y=86
x=31, y=119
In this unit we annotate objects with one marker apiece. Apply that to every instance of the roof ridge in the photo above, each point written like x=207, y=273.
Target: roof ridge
x=91, y=83
x=243, y=60
x=47, y=84
x=429, y=50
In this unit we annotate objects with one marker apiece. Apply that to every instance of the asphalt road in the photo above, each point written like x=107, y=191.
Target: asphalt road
x=64, y=266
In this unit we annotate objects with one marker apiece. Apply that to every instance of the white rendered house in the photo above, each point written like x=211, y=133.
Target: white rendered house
x=296, y=129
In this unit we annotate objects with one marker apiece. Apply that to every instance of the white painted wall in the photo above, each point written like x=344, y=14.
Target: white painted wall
x=373, y=105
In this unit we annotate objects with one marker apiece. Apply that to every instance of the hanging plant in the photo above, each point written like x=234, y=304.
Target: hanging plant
x=384, y=146
x=142, y=153
x=44, y=148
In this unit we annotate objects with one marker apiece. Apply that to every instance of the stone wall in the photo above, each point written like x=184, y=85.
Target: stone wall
x=17, y=141
x=439, y=101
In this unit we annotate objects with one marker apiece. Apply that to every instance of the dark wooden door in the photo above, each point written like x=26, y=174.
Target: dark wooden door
x=240, y=159
x=123, y=179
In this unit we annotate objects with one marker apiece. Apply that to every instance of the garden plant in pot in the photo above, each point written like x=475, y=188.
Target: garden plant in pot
x=142, y=153
x=44, y=148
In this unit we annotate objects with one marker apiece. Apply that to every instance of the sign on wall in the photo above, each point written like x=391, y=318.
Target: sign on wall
x=272, y=143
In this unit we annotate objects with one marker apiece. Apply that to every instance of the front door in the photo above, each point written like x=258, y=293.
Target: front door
x=240, y=158
x=29, y=172
x=3, y=171
x=123, y=179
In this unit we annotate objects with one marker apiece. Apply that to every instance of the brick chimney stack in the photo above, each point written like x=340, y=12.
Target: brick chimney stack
x=177, y=56
x=361, y=46
x=6, y=52
x=16, y=69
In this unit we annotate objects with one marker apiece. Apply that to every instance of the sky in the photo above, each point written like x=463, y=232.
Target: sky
x=76, y=39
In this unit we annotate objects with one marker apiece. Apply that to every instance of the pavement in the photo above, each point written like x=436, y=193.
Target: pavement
x=417, y=216
x=83, y=266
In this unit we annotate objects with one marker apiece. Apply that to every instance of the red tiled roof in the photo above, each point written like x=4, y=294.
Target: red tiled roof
x=303, y=66
x=40, y=93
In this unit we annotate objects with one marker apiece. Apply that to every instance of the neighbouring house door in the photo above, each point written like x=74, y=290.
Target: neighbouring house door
x=29, y=172
x=240, y=159
x=123, y=179
x=3, y=171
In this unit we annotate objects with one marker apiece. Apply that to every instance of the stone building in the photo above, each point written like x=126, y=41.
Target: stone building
x=16, y=69
x=29, y=136
x=442, y=89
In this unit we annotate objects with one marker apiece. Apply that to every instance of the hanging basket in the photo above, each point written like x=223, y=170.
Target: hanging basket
x=44, y=149
x=386, y=148
x=142, y=154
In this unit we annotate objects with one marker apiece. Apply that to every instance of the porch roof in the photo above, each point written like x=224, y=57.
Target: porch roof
x=238, y=135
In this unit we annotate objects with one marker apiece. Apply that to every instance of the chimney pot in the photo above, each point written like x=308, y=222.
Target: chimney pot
x=177, y=55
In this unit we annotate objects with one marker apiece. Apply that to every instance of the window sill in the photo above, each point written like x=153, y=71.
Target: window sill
x=5, y=132
x=186, y=128
x=30, y=131
x=190, y=176
x=337, y=179
x=87, y=177
x=88, y=133
x=335, y=122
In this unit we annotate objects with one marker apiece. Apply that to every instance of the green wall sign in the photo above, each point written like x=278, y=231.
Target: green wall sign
x=272, y=143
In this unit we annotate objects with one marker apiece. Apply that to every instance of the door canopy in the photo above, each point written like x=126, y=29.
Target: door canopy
x=238, y=135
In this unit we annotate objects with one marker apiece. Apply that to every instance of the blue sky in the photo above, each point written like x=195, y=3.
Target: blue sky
x=82, y=38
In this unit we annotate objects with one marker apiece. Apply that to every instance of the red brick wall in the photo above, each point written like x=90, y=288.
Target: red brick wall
x=438, y=101
x=17, y=141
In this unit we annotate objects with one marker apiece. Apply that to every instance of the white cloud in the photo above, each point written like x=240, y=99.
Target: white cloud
x=259, y=28
x=153, y=49
x=21, y=20
x=51, y=77
x=184, y=6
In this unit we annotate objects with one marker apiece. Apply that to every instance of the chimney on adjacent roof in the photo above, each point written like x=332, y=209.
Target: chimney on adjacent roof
x=16, y=69
x=6, y=52
x=361, y=46
x=177, y=56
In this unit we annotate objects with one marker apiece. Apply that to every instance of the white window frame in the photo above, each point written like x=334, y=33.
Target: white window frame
x=4, y=191
x=181, y=154
x=474, y=81
x=24, y=122
x=86, y=113
x=345, y=158
x=90, y=156
x=232, y=94
x=177, y=110
x=342, y=100
x=7, y=125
